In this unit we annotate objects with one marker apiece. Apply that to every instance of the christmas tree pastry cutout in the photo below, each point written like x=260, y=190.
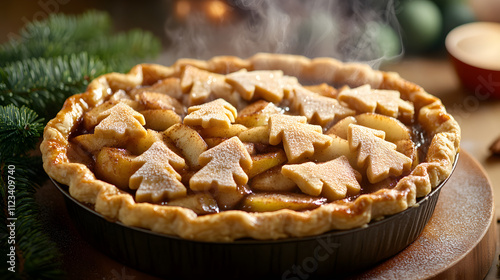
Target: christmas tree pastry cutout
x=201, y=84
x=119, y=122
x=378, y=156
x=157, y=179
x=299, y=138
x=386, y=102
x=318, y=109
x=333, y=179
x=217, y=113
x=269, y=85
x=224, y=167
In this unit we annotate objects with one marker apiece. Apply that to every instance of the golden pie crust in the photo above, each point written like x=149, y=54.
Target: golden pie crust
x=118, y=205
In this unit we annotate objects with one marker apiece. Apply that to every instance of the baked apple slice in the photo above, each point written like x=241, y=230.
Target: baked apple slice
x=273, y=180
x=115, y=166
x=188, y=141
x=266, y=202
x=263, y=162
x=200, y=203
x=393, y=128
x=160, y=119
x=341, y=127
x=257, y=113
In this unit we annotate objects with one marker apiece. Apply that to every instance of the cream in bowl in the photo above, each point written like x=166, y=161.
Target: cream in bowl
x=474, y=49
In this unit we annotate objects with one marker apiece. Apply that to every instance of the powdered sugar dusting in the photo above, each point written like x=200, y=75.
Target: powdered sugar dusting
x=462, y=216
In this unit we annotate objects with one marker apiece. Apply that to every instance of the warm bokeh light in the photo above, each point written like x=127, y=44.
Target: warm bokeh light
x=182, y=9
x=217, y=10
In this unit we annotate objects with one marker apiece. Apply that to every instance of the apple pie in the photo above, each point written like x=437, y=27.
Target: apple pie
x=269, y=147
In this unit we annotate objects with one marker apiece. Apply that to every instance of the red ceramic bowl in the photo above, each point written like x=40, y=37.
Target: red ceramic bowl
x=474, y=49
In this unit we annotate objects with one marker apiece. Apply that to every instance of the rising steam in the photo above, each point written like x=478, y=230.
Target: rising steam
x=346, y=30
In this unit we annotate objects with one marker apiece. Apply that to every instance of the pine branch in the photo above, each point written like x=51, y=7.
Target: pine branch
x=130, y=46
x=43, y=84
x=61, y=35
x=49, y=61
x=57, y=57
x=37, y=256
x=4, y=231
x=49, y=38
x=83, y=27
x=20, y=130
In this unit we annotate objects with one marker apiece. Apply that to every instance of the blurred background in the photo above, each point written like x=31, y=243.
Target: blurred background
x=372, y=31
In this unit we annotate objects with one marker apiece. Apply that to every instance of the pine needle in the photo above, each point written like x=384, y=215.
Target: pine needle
x=49, y=61
x=43, y=84
x=37, y=256
x=49, y=38
x=20, y=130
x=62, y=35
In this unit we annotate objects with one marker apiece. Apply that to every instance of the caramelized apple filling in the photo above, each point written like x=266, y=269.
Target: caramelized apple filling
x=256, y=141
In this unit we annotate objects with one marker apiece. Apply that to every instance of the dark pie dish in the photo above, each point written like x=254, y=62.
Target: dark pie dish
x=331, y=255
x=290, y=161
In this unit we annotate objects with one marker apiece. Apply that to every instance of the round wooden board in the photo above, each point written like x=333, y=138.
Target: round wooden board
x=460, y=239
x=458, y=242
